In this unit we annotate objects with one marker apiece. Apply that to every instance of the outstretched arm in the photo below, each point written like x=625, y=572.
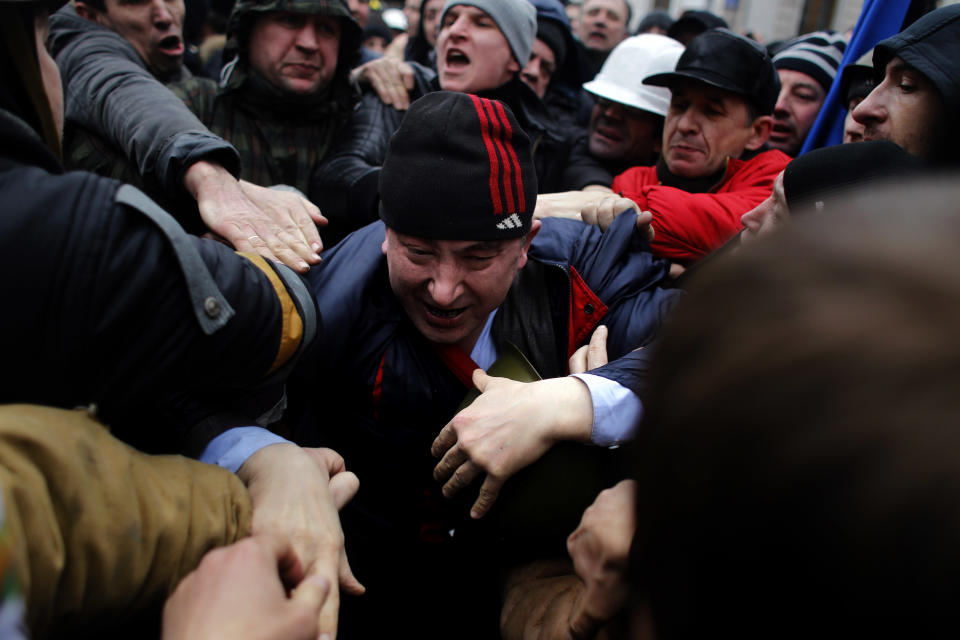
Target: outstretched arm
x=510, y=426
x=296, y=493
x=513, y=424
x=110, y=91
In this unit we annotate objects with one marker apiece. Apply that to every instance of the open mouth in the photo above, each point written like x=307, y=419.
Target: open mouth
x=610, y=133
x=171, y=46
x=457, y=59
x=444, y=314
x=781, y=131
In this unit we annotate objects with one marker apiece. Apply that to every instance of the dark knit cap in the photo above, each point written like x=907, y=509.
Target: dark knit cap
x=552, y=34
x=814, y=177
x=816, y=54
x=693, y=23
x=656, y=19
x=458, y=168
x=931, y=45
x=856, y=80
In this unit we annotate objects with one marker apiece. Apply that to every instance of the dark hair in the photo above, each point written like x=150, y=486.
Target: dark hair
x=655, y=19
x=99, y=5
x=418, y=49
x=797, y=467
x=753, y=111
x=21, y=86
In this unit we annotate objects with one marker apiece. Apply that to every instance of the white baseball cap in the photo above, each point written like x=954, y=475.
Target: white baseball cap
x=621, y=77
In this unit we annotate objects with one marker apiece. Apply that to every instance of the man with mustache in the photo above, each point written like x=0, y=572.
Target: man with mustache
x=918, y=89
x=123, y=123
x=713, y=167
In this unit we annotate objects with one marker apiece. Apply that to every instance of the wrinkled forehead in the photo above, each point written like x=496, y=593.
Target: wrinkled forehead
x=453, y=247
x=127, y=5
x=457, y=8
x=619, y=6
x=683, y=89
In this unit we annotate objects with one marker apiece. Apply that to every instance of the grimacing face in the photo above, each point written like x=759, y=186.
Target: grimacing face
x=448, y=288
x=624, y=134
x=905, y=108
x=295, y=52
x=705, y=126
x=472, y=52
x=153, y=27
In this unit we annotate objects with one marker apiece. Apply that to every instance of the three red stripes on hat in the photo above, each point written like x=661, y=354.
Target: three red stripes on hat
x=497, y=137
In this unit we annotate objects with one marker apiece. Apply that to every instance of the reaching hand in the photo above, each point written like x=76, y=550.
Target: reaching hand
x=392, y=79
x=295, y=499
x=600, y=548
x=278, y=225
x=593, y=206
x=508, y=427
x=237, y=593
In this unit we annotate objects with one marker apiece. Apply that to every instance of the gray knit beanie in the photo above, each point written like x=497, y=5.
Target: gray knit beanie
x=517, y=20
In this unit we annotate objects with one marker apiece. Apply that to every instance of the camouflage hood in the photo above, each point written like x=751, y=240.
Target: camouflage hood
x=246, y=11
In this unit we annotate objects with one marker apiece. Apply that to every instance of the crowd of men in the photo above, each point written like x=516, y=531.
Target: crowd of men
x=513, y=271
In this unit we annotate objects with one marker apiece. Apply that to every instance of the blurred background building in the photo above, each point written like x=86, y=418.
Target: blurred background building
x=771, y=20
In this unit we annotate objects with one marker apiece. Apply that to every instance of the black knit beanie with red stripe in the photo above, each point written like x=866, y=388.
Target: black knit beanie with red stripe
x=458, y=168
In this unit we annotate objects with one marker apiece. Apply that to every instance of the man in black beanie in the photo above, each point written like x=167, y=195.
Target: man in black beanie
x=819, y=177
x=482, y=45
x=416, y=306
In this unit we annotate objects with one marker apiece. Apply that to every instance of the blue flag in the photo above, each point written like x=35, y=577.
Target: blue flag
x=879, y=19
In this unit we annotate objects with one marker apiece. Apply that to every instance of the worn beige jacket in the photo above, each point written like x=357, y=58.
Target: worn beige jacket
x=102, y=532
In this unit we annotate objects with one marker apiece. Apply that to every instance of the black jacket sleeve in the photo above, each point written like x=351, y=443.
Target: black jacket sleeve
x=109, y=91
x=126, y=310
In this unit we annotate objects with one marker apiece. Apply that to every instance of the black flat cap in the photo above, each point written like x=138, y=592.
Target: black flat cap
x=723, y=59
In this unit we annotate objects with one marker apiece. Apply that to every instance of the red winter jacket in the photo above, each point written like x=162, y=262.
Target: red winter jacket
x=690, y=225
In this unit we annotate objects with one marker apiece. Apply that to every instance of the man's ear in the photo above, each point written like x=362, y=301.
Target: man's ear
x=90, y=13
x=513, y=66
x=761, y=128
x=386, y=241
x=528, y=240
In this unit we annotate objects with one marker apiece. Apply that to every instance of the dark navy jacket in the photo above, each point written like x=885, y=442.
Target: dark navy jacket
x=379, y=392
